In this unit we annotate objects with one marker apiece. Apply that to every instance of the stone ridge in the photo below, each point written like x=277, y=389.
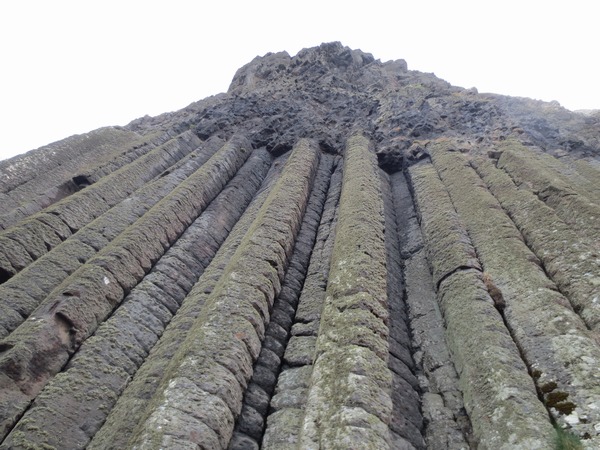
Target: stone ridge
x=338, y=252
x=349, y=398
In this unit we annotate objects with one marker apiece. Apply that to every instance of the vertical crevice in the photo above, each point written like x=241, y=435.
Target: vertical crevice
x=98, y=281
x=407, y=419
x=211, y=369
x=446, y=423
x=554, y=255
x=119, y=425
x=463, y=299
x=353, y=319
x=534, y=312
x=284, y=409
x=250, y=424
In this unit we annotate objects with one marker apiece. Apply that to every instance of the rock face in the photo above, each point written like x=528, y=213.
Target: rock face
x=336, y=253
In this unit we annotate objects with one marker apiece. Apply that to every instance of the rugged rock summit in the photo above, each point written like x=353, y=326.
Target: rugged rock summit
x=336, y=253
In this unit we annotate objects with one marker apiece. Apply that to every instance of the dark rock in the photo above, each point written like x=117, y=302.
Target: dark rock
x=158, y=288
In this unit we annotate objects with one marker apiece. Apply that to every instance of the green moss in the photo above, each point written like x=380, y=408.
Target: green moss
x=351, y=380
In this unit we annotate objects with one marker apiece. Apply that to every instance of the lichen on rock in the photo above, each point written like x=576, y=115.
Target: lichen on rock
x=338, y=252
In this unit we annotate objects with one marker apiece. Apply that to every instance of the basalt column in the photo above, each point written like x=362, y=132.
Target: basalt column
x=499, y=393
x=201, y=392
x=336, y=253
x=349, y=398
x=117, y=430
x=85, y=392
x=38, y=349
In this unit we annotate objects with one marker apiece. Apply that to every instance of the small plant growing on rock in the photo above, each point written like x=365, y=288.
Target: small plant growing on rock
x=494, y=292
x=566, y=440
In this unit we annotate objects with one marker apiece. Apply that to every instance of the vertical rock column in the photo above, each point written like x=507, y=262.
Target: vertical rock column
x=201, y=392
x=250, y=424
x=407, y=420
x=120, y=424
x=567, y=257
x=349, y=402
x=554, y=342
x=577, y=206
x=499, y=393
x=447, y=426
x=29, y=239
x=39, y=348
x=286, y=409
x=85, y=392
x=27, y=289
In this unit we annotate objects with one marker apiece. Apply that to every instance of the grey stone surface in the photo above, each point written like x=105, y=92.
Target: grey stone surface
x=140, y=308
x=469, y=311
x=345, y=389
x=120, y=423
x=124, y=341
x=235, y=306
x=300, y=350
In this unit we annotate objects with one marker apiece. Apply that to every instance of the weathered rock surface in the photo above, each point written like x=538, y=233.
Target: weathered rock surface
x=336, y=253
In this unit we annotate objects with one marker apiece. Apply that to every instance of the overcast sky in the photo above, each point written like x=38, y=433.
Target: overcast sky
x=67, y=67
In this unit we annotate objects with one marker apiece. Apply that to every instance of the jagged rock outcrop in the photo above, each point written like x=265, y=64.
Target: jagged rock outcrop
x=336, y=253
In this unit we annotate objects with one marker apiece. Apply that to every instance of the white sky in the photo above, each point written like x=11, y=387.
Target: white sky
x=67, y=67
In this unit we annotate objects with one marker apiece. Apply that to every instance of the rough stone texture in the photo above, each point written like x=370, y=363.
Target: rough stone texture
x=50, y=270
x=124, y=340
x=447, y=425
x=494, y=379
x=407, y=420
x=214, y=364
x=267, y=366
x=40, y=347
x=349, y=398
x=566, y=257
x=191, y=281
x=120, y=423
x=292, y=382
x=552, y=338
x=50, y=173
x=79, y=209
x=573, y=203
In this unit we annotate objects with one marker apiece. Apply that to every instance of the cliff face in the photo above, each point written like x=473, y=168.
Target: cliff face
x=336, y=253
